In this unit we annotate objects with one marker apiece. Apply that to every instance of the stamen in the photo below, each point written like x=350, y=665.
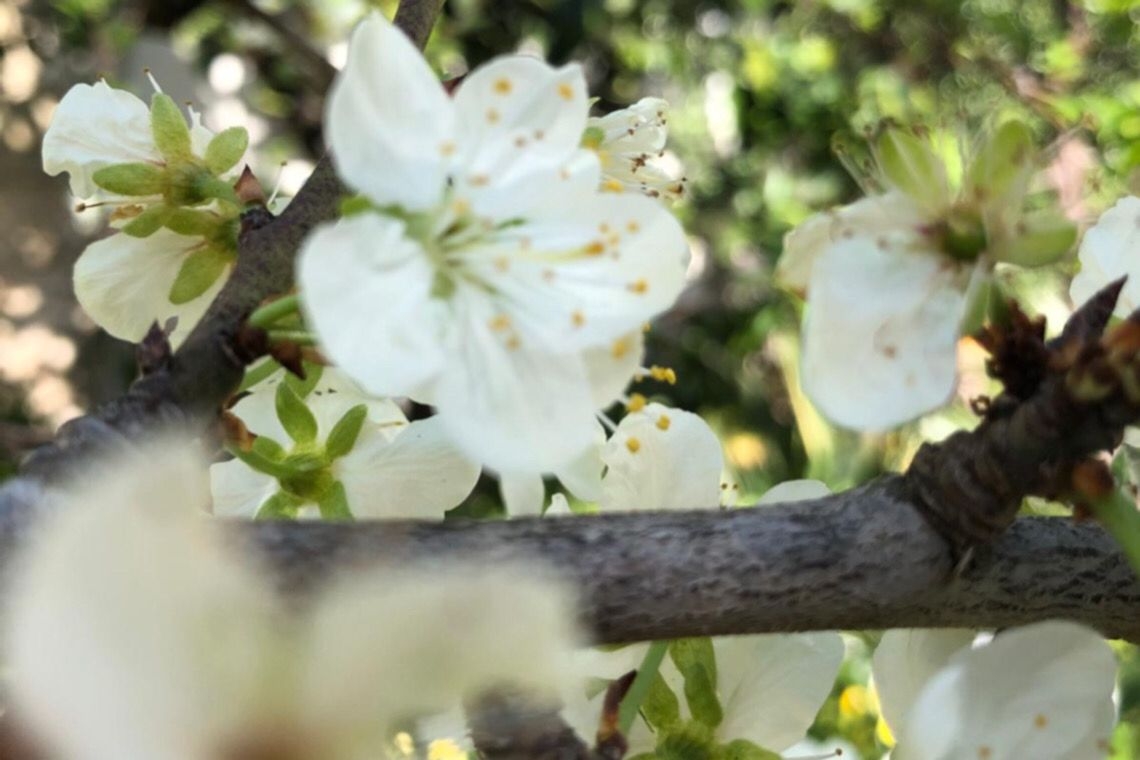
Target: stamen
x=633, y=444
x=277, y=183
x=153, y=81
x=635, y=402
x=607, y=423
x=663, y=422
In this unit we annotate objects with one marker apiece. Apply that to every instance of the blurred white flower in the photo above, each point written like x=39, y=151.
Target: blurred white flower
x=392, y=469
x=1043, y=691
x=488, y=260
x=1108, y=251
x=630, y=144
x=135, y=631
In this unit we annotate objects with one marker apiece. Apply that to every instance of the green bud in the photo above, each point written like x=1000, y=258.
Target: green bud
x=199, y=271
x=334, y=504
x=226, y=149
x=187, y=221
x=279, y=506
x=148, y=222
x=171, y=133
x=1000, y=171
x=1039, y=239
x=697, y=662
x=131, y=179
x=295, y=415
x=345, y=432
x=911, y=166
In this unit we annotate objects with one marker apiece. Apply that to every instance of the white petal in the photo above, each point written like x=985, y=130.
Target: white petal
x=906, y=659
x=612, y=368
x=583, y=475
x=1038, y=691
x=366, y=289
x=238, y=489
x=874, y=215
x=419, y=473
x=559, y=507
x=95, y=126
x=1109, y=250
x=772, y=686
x=662, y=458
x=523, y=494
x=640, y=128
x=505, y=399
x=520, y=117
x=794, y=490
x=881, y=331
x=124, y=282
x=390, y=123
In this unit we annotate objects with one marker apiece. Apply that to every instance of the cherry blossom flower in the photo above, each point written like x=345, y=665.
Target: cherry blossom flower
x=169, y=645
x=391, y=468
x=1042, y=691
x=630, y=144
x=176, y=245
x=487, y=260
x=1108, y=251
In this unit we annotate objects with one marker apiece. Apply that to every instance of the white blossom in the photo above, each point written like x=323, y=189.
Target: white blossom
x=1043, y=691
x=490, y=260
x=394, y=468
x=1111, y=249
x=630, y=144
x=168, y=646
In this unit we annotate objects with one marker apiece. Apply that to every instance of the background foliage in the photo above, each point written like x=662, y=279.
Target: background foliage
x=761, y=91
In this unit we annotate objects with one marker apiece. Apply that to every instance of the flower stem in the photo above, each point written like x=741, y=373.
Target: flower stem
x=638, y=690
x=274, y=310
x=1118, y=514
x=300, y=337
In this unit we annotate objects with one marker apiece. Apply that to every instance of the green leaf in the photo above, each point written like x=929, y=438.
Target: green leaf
x=171, y=133
x=689, y=741
x=295, y=415
x=148, y=222
x=660, y=706
x=187, y=221
x=257, y=373
x=1040, y=239
x=268, y=448
x=279, y=506
x=226, y=149
x=334, y=504
x=131, y=179
x=912, y=166
x=355, y=204
x=1000, y=171
x=303, y=386
x=742, y=749
x=260, y=462
x=697, y=662
x=345, y=432
x=201, y=269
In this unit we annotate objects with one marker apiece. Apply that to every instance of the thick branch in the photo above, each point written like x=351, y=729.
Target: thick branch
x=864, y=559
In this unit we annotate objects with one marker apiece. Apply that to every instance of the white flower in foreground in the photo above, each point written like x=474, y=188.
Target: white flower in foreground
x=171, y=183
x=168, y=646
x=1109, y=250
x=391, y=468
x=906, y=659
x=489, y=260
x=630, y=144
x=1043, y=691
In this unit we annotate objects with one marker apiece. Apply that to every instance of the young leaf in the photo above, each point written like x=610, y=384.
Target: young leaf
x=912, y=167
x=1002, y=167
x=295, y=415
x=697, y=662
x=1041, y=238
x=660, y=706
x=688, y=741
x=345, y=432
x=131, y=179
x=169, y=128
x=334, y=504
x=303, y=386
x=268, y=448
x=148, y=222
x=199, y=271
x=187, y=221
x=226, y=149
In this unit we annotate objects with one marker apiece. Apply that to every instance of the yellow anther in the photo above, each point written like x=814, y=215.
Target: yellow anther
x=603, y=228
x=619, y=348
x=633, y=445
x=596, y=248
x=638, y=286
x=502, y=263
x=636, y=403
x=503, y=86
x=460, y=207
x=577, y=318
x=1040, y=721
x=565, y=91
x=646, y=327
x=446, y=148
x=632, y=226
x=478, y=180
x=663, y=422
x=492, y=116
x=564, y=173
x=613, y=186
x=500, y=322
x=513, y=343
x=663, y=374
